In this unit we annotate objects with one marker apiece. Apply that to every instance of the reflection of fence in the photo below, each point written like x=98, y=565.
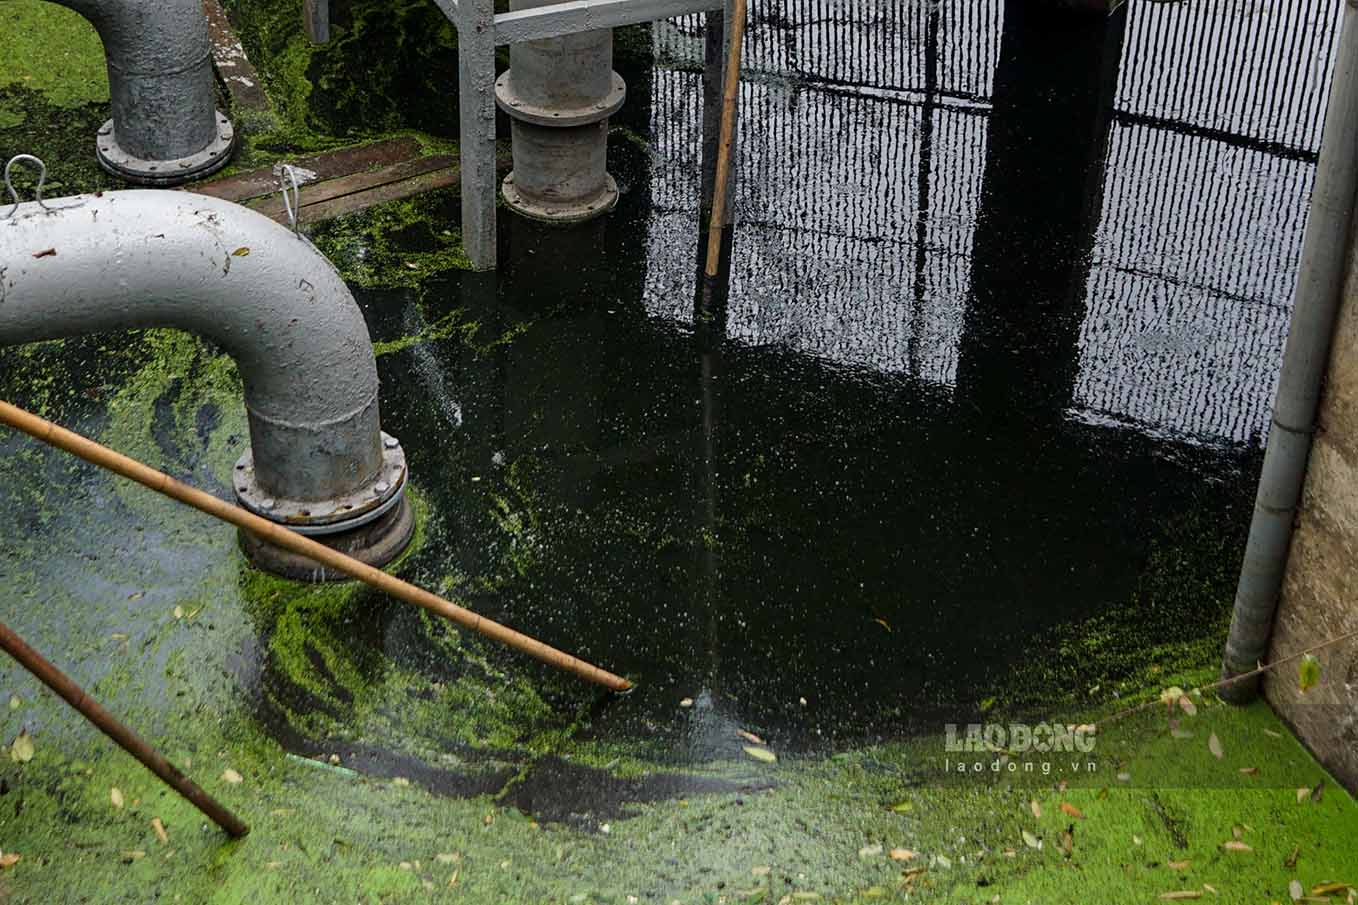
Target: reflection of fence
x=848, y=252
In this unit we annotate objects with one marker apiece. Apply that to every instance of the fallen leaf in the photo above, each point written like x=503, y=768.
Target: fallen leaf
x=1030, y=840
x=240, y=252
x=448, y=857
x=8, y=859
x=1271, y=734
x=1187, y=706
x=1235, y=845
x=1308, y=673
x=750, y=737
x=1250, y=771
x=942, y=861
x=1302, y=794
x=1178, y=865
x=115, y=795
x=159, y=828
x=490, y=818
x=1124, y=777
x=1324, y=889
x=412, y=265
x=1294, y=889
x=179, y=612
x=909, y=876
x=1067, y=842
x=1072, y=810
x=1171, y=695
x=902, y=807
x=400, y=781
x=1210, y=888
x=1136, y=840
x=129, y=857
x=1214, y=745
x=452, y=881
x=902, y=854
x=1237, y=831
x=21, y=750
x=869, y=851
x=883, y=624
x=1035, y=808
x=761, y=754
x=1318, y=792
x=1291, y=860
x=14, y=702
x=232, y=776
x=45, y=253
x=1182, y=894
x=686, y=702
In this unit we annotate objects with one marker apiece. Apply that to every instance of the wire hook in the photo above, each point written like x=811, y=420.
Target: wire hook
x=292, y=205
x=9, y=184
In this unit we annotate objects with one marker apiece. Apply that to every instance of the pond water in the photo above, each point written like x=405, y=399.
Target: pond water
x=994, y=363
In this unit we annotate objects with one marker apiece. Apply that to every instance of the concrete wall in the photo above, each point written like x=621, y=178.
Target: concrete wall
x=1320, y=590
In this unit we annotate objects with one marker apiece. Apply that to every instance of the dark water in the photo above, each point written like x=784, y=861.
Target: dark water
x=995, y=358
x=972, y=383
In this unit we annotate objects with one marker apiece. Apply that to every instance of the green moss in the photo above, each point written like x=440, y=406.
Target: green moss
x=52, y=50
x=400, y=243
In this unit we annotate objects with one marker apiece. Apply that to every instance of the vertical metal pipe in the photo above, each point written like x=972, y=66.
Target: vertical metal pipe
x=1324, y=262
x=165, y=128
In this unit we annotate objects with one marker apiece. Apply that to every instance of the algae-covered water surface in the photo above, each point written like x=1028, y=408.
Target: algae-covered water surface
x=967, y=438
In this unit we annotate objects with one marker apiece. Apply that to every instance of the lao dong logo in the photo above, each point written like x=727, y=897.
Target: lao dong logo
x=1012, y=745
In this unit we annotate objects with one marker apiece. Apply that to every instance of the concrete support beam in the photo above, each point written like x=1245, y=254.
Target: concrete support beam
x=316, y=20
x=476, y=97
x=575, y=16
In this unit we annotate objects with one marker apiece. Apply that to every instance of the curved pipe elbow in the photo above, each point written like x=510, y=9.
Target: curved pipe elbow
x=140, y=258
x=165, y=128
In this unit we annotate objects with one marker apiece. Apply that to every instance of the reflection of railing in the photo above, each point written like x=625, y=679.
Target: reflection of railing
x=858, y=244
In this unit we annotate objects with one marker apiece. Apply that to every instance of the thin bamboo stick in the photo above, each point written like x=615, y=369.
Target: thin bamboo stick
x=280, y=536
x=730, y=91
x=128, y=740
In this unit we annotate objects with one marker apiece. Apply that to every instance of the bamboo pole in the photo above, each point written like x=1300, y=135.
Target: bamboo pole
x=128, y=740
x=727, y=138
x=280, y=536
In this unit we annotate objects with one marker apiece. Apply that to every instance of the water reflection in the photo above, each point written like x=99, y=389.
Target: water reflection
x=979, y=300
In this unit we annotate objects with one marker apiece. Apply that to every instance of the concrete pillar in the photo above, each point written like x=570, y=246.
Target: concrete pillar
x=1041, y=202
x=559, y=94
x=476, y=112
x=1321, y=579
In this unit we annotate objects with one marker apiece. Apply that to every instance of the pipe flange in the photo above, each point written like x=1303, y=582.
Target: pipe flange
x=316, y=517
x=561, y=117
x=166, y=172
x=577, y=211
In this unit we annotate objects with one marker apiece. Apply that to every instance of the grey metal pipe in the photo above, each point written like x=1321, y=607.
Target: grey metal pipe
x=166, y=128
x=142, y=258
x=1324, y=263
x=559, y=94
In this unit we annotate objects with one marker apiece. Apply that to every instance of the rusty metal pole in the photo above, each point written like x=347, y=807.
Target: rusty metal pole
x=128, y=740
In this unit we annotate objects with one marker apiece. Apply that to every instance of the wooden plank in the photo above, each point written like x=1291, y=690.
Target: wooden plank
x=233, y=66
x=391, y=191
x=318, y=192
x=329, y=165
x=576, y=16
x=316, y=20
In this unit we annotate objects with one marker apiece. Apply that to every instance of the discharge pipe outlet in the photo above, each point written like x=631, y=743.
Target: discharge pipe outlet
x=318, y=461
x=166, y=128
x=1325, y=258
x=559, y=94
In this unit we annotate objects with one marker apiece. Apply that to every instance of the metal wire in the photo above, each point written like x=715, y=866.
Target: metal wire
x=293, y=205
x=9, y=184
